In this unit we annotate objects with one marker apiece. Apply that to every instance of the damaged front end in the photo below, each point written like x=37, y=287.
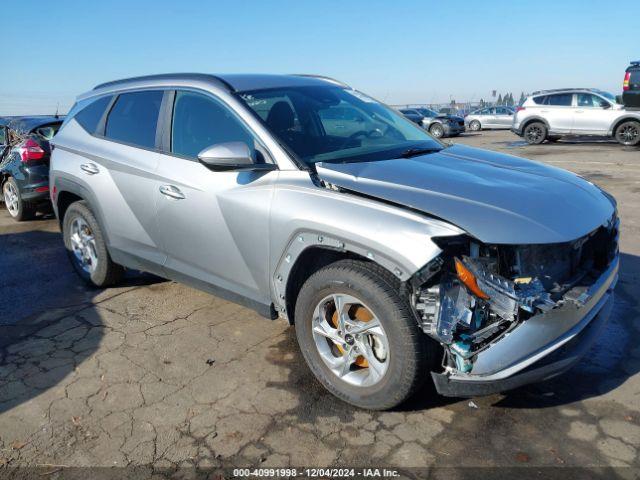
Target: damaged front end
x=498, y=309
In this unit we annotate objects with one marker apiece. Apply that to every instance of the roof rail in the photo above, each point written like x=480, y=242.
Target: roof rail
x=322, y=77
x=635, y=63
x=551, y=90
x=164, y=76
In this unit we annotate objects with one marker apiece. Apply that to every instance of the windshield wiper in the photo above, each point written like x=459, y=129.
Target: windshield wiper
x=414, y=152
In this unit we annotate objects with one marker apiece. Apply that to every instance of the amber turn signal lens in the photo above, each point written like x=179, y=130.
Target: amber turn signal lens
x=469, y=279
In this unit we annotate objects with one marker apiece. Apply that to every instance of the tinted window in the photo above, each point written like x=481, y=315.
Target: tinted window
x=90, y=116
x=560, y=100
x=589, y=100
x=3, y=136
x=134, y=118
x=200, y=121
x=634, y=79
x=540, y=100
x=503, y=111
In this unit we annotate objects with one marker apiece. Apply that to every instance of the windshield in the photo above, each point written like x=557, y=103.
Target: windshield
x=335, y=124
x=608, y=96
x=427, y=113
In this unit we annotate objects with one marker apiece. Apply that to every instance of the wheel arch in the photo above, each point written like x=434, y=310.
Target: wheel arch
x=620, y=121
x=531, y=120
x=309, y=262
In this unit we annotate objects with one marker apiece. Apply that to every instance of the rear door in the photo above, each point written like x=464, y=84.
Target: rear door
x=214, y=225
x=559, y=112
x=121, y=174
x=593, y=115
x=489, y=117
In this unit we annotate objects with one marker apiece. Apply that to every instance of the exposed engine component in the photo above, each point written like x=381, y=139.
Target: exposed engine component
x=472, y=294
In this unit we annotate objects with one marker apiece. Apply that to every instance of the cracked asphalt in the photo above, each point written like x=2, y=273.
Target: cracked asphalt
x=155, y=373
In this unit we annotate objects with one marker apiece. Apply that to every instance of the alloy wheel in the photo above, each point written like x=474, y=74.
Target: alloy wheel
x=437, y=131
x=628, y=134
x=11, y=199
x=83, y=245
x=350, y=340
x=534, y=134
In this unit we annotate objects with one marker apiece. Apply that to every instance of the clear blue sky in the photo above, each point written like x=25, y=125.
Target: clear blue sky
x=398, y=51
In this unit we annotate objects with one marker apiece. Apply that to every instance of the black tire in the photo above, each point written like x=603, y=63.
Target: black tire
x=20, y=210
x=535, y=133
x=106, y=272
x=410, y=353
x=437, y=130
x=475, y=126
x=628, y=133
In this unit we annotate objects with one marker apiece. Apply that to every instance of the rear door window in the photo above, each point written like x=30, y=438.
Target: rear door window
x=89, y=117
x=560, y=100
x=134, y=118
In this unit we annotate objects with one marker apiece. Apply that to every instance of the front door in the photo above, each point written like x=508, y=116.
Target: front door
x=594, y=115
x=214, y=226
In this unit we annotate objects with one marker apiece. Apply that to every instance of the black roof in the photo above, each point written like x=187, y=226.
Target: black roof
x=28, y=124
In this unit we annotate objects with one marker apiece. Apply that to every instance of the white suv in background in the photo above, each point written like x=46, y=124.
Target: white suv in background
x=552, y=114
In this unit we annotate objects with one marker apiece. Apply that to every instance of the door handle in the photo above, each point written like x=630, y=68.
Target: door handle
x=89, y=168
x=171, y=191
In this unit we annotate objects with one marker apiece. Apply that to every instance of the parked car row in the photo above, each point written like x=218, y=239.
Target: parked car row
x=438, y=124
x=24, y=163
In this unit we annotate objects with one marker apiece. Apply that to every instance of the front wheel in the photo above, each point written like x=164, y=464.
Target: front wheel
x=535, y=133
x=86, y=247
x=628, y=133
x=359, y=337
x=436, y=130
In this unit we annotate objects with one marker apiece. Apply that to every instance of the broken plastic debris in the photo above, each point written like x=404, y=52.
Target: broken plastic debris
x=472, y=404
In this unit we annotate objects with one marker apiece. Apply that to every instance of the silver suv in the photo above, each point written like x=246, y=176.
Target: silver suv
x=552, y=114
x=395, y=256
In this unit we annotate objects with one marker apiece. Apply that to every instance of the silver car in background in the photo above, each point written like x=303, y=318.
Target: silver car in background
x=490, y=118
x=553, y=114
x=397, y=257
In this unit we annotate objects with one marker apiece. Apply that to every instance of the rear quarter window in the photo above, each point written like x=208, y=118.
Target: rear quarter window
x=133, y=119
x=89, y=117
x=542, y=100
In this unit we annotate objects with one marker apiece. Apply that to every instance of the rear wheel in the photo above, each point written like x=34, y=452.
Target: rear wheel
x=86, y=248
x=16, y=206
x=535, y=133
x=437, y=130
x=359, y=337
x=475, y=126
x=628, y=133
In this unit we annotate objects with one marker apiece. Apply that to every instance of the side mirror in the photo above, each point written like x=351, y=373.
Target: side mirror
x=605, y=105
x=231, y=156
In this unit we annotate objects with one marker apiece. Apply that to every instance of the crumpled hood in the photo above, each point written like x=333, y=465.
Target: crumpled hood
x=497, y=198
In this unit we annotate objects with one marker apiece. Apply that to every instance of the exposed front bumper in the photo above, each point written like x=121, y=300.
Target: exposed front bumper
x=542, y=347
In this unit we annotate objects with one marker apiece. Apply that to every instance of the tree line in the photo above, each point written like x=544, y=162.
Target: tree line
x=506, y=100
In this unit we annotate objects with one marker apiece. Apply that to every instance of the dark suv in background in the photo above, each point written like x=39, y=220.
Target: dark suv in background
x=24, y=163
x=631, y=86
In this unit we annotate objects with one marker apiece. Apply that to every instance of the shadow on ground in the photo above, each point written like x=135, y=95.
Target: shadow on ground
x=48, y=324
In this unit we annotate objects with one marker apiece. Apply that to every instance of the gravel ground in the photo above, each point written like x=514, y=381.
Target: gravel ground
x=155, y=373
